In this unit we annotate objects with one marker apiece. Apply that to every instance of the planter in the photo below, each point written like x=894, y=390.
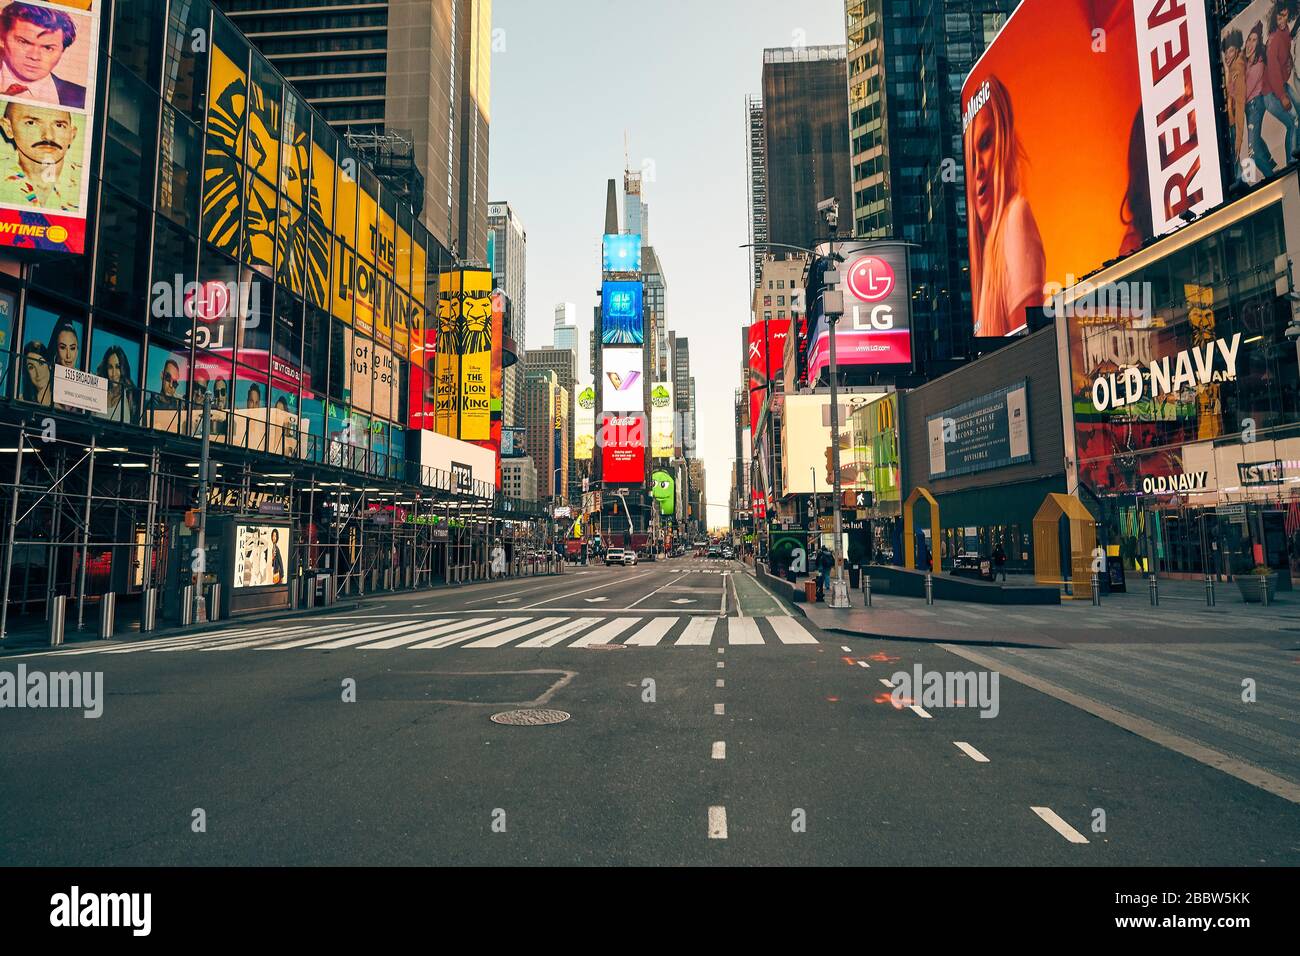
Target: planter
x=1251, y=590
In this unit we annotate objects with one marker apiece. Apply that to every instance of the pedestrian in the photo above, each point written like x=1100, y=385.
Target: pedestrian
x=825, y=561
x=999, y=562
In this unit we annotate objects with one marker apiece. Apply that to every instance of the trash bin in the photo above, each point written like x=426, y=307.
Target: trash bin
x=855, y=576
x=810, y=590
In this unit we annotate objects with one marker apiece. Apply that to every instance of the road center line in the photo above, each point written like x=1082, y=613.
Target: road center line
x=1049, y=817
x=970, y=751
x=717, y=823
x=919, y=711
x=719, y=750
x=719, y=710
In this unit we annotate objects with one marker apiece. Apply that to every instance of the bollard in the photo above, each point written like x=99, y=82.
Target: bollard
x=1096, y=589
x=388, y=579
x=1154, y=588
x=1263, y=589
x=866, y=590
x=295, y=593
x=309, y=598
x=187, y=605
x=1209, y=591
x=107, y=615
x=149, y=611
x=331, y=595
x=58, y=609
x=214, y=601
x=929, y=587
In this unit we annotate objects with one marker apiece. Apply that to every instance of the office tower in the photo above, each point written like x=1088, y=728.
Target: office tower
x=409, y=79
x=563, y=365
x=805, y=140
x=565, y=332
x=906, y=64
x=547, y=439
x=508, y=247
x=756, y=155
x=519, y=478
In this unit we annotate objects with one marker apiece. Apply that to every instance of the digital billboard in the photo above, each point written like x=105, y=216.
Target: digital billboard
x=584, y=438
x=622, y=449
x=988, y=432
x=1260, y=85
x=876, y=327
x=661, y=420
x=1072, y=166
x=806, y=444
x=622, y=313
x=47, y=115
x=766, y=357
x=622, y=387
x=621, y=254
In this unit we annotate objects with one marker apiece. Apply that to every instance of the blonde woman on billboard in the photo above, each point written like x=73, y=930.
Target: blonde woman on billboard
x=1008, y=265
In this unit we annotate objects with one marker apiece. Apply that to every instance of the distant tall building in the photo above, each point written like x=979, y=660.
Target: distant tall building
x=756, y=154
x=519, y=478
x=636, y=213
x=906, y=64
x=508, y=244
x=565, y=333
x=805, y=141
x=683, y=388
x=547, y=438
x=420, y=69
x=563, y=365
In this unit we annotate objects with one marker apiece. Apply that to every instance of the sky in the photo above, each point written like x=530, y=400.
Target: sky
x=673, y=76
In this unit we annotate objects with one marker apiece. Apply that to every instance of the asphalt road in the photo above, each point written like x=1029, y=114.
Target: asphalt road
x=754, y=739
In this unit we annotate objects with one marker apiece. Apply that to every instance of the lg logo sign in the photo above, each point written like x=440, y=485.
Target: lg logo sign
x=871, y=280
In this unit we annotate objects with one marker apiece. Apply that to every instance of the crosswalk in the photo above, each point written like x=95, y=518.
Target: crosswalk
x=476, y=633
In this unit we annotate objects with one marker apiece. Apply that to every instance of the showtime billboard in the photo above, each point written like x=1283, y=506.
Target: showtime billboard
x=876, y=327
x=622, y=449
x=1075, y=164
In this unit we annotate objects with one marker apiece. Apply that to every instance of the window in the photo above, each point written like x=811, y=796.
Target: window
x=131, y=132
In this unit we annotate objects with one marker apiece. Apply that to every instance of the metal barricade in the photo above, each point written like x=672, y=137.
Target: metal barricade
x=58, y=611
x=107, y=615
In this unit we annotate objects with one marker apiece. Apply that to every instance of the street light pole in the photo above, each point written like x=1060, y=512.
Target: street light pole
x=839, y=597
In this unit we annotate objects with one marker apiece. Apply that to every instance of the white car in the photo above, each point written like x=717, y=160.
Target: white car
x=620, y=556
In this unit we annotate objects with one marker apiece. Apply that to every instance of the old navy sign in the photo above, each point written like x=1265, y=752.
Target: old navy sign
x=1191, y=368
x=1175, y=484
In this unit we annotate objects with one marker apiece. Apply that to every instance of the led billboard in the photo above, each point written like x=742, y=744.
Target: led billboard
x=622, y=449
x=622, y=254
x=876, y=327
x=766, y=358
x=621, y=313
x=661, y=420
x=1072, y=166
x=1257, y=53
x=806, y=445
x=584, y=438
x=47, y=115
x=622, y=387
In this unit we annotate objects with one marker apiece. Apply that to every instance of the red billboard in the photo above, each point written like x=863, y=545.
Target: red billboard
x=622, y=449
x=765, y=360
x=1089, y=128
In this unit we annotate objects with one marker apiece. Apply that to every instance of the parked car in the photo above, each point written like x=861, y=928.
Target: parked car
x=715, y=551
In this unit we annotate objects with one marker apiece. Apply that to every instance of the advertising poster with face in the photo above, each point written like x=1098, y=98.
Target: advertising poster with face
x=50, y=339
x=261, y=556
x=116, y=359
x=167, y=379
x=48, y=57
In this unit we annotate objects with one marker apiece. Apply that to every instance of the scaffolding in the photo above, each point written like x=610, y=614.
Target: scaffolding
x=391, y=154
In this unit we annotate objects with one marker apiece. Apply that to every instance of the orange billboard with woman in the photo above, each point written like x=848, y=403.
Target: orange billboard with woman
x=1089, y=129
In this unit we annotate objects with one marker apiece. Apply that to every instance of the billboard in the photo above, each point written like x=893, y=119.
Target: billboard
x=876, y=327
x=661, y=420
x=621, y=313
x=1260, y=85
x=47, y=114
x=766, y=358
x=621, y=387
x=663, y=489
x=621, y=254
x=622, y=451
x=261, y=556
x=988, y=432
x=466, y=355
x=584, y=423
x=806, y=445
x=1070, y=167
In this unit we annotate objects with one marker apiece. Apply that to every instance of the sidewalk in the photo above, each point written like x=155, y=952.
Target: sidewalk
x=1125, y=618
x=25, y=635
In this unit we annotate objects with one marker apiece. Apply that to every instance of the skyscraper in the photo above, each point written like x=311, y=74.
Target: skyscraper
x=563, y=365
x=906, y=63
x=565, y=333
x=420, y=69
x=756, y=154
x=509, y=249
x=805, y=141
x=546, y=417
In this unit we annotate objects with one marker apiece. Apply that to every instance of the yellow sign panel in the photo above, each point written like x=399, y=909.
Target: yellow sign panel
x=463, y=372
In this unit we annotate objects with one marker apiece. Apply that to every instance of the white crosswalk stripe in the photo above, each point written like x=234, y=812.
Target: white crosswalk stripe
x=482, y=633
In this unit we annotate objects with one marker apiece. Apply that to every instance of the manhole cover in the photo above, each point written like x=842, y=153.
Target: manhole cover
x=530, y=718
